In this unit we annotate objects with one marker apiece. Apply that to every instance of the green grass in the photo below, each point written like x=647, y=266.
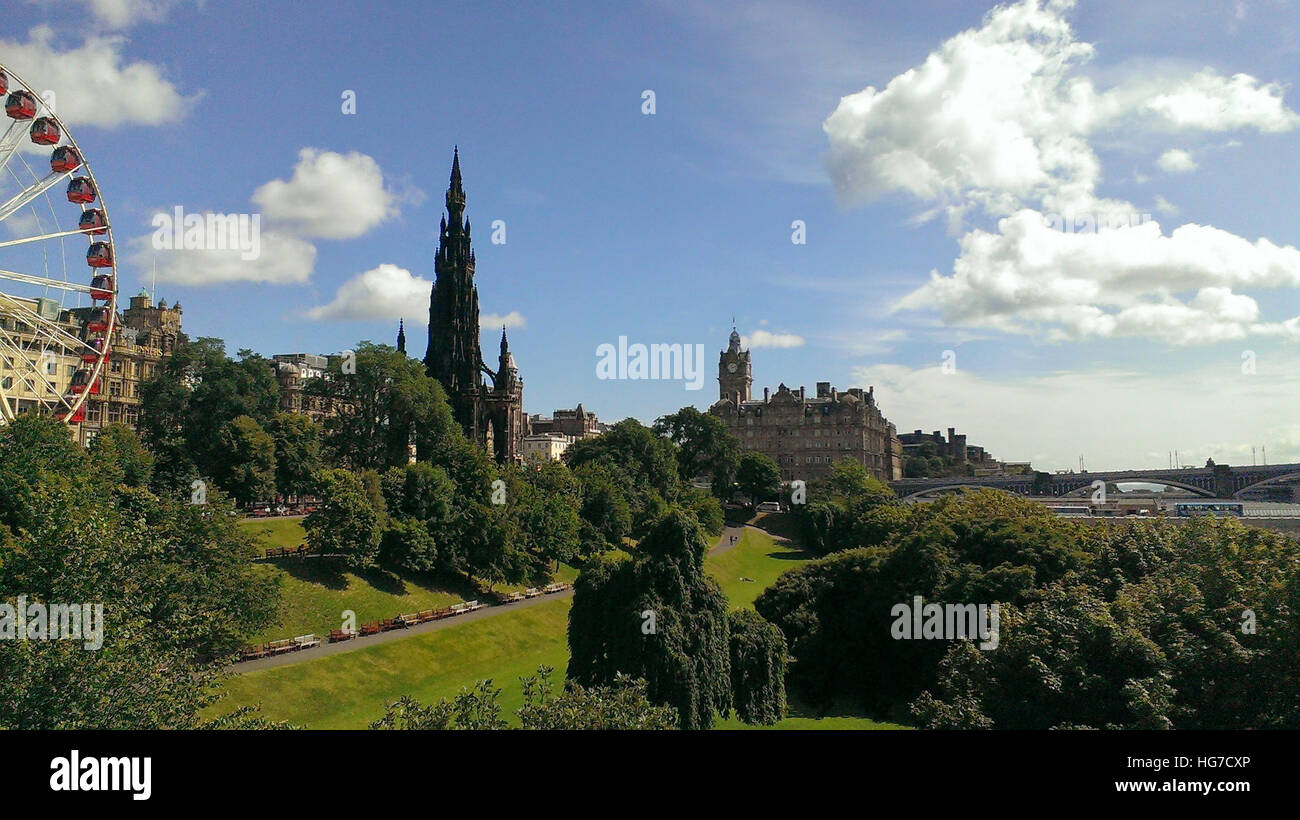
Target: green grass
x=315, y=592
x=349, y=690
x=758, y=556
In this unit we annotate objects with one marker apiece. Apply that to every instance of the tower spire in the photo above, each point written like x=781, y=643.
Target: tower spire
x=401, y=335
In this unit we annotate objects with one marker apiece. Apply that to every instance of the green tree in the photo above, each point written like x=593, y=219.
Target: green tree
x=758, y=664
x=345, y=523
x=245, y=467
x=758, y=477
x=118, y=448
x=705, y=446
x=297, y=452
x=659, y=617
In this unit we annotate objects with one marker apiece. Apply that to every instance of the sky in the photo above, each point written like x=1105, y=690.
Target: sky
x=1067, y=229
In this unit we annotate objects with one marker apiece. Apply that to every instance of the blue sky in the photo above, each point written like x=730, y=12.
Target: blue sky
x=1118, y=346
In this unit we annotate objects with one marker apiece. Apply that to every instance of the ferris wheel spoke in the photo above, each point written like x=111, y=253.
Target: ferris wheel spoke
x=33, y=369
x=45, y=236
x=42, y=326
x=29, y=279
x=9, y=143
x=31, y=192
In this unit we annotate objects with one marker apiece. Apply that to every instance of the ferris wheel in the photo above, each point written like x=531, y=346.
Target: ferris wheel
x=58, y=296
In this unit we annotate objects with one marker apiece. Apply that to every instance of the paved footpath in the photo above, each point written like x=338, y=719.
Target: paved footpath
x=326, y=649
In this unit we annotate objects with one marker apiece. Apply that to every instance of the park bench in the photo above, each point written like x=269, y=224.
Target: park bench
x=470, y=606
x=410, y=620
x=280, y=647
x=393, y=623
x=511, y=597
x=307, y=641
x=427, y=615
x=532, y=592
x=275, y=552
x=371, y=628
x=337, y=635
x=457, y=609
x=553, y=588
x=248, y=653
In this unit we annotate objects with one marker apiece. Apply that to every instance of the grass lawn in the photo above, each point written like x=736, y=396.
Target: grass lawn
x=349, y=690
x=315, y=592
x=759, y=557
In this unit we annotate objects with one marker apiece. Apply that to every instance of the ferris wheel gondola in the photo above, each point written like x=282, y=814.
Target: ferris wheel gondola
x=58, y=307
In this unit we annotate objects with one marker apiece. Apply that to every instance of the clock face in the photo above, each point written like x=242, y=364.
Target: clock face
x=731, y=367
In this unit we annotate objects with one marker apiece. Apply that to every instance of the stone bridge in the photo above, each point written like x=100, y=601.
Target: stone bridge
x=1220, y=481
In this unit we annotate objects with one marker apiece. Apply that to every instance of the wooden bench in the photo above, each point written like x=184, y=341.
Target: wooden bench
x=248, y=653
x=276, y=552
x=371, y=628
x=511, y=597
x=280, y=647
x=470, y=606
x=393, y=623
x=532, y=592
x=307, y=641
x=553, y=588
x=427, y=615
x=337, y=635
x=457, y=609
x=410, y=620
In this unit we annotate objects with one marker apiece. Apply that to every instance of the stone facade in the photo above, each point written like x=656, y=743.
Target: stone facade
x=805, y=435
x=576, y=423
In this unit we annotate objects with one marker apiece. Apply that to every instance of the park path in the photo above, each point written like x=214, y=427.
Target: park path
x=326, y=649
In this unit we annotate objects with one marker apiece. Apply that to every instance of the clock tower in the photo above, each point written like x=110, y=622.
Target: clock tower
x=735, y=376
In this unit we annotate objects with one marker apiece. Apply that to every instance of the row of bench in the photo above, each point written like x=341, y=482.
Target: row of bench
x=281, y=552
x=533, y=592
x=400, y=622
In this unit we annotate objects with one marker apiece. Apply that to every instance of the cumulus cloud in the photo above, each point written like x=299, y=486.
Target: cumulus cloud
x=1110, y=283
x=94, y=84
x=392, y=292
x=1176, y=161
x=119, y=14
x=492, y=321
x=282, y=260
x=385, y=292
x=1232, y=411
x=996, y=124
x=329, y=196
x=764, y=338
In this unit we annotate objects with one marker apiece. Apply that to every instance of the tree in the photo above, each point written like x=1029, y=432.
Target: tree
x=345, y=523
x=391, y=404
x=118, y=448
x=622, y=706
x=643, y=465
x=604, y=507
x=758, y=662
x=297, y=452
x=245, y=467
x=705, y=446
x=659, y=617
x=758, y=477
x=178, y=592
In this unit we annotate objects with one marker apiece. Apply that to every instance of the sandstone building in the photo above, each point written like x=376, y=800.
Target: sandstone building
x=805, y=435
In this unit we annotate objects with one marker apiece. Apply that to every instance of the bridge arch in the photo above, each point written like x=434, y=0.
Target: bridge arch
x=1262, y=482
x=1086, y=489
x=947, y=489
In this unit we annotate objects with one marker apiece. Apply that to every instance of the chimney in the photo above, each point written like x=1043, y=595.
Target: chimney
x=801, y=393
x=823, y=390
x=952, y=431
x=765, y=394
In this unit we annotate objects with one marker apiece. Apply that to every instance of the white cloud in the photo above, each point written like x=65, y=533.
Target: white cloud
x=493, y=321
x=996, y=122
x=282, y=260
x=330, y=196
x=1164, y=206
x=1110, y=283
x=1230, y=412
x=385, y=292
x=93, y=84
x=764, y=338
x=120, y=14
x=1176, y=161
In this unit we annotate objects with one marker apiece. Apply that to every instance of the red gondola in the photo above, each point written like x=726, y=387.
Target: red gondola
x=45, y=131
x=99, y=255
x=81, y=190
x=77, y=417
x=98, y=321
x=81, y=383
x=101, y=287
x=21, y=105
x=93, y=222
x=97, y=347
x=65, y=159
x=4, y=82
